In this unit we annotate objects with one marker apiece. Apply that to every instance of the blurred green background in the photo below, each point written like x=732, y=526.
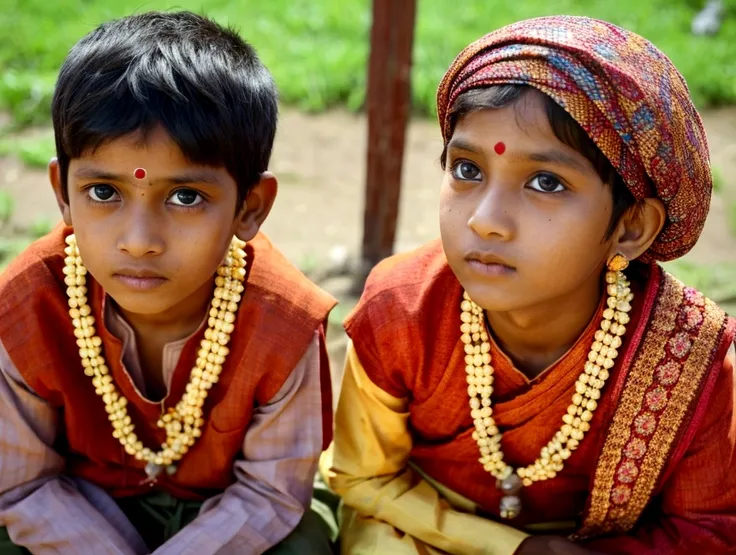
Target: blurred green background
x=317, y=51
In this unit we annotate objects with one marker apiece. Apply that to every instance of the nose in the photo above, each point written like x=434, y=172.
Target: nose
x=493, y=215
x=142, y=235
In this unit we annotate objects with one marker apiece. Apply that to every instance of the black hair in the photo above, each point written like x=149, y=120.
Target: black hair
x=566, y=129
x=198, y=80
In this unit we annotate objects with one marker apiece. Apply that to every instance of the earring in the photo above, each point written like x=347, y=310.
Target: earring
x=618, y=263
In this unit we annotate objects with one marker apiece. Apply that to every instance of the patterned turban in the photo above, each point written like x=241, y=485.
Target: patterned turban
x=627, y=96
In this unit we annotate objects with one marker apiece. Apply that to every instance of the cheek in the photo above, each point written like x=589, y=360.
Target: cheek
x=449, y=212
x=570, y=243
x=76, y=204
x=201, y=251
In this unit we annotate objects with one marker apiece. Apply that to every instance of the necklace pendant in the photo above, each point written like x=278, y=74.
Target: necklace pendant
x=510, y=506
x=152, y=471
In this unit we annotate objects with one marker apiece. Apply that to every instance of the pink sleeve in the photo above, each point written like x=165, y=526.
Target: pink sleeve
x=43, y=510
x=697, y=510
x=275, y=476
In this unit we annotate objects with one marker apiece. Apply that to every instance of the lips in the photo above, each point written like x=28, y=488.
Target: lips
x=487, y=257
x=139, y=278
x=138, y=273
x=489, y=263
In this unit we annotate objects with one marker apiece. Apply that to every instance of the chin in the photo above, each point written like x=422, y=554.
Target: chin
x=144, y=307
x=493, y=298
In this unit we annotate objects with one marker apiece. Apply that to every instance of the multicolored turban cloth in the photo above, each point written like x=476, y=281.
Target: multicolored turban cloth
x=625, y=93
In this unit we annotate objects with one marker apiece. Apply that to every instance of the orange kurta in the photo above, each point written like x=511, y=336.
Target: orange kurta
x=649, y=426
x=264, y=349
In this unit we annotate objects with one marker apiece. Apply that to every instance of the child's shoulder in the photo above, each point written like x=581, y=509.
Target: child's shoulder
x=37, y=269
x=682, y=317
x=403, y=286
x=681, y=297
x=276, y=281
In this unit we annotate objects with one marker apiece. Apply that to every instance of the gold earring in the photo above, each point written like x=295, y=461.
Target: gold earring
x=618, y=263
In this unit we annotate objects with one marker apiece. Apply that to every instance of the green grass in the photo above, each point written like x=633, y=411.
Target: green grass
x=317, y=49
x=718, y=179
x=12, y=244
x=35, y=151
x=7, y=205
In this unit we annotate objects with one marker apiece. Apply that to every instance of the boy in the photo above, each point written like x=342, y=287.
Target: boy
x=516, y=383
x=163, y=373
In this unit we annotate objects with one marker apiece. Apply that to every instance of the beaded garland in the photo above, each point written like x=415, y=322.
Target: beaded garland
x=183, y=422
x=575, y=422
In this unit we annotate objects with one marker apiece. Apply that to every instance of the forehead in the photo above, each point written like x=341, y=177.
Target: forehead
x=153, y=154
x=154, y=144
x=525, y=120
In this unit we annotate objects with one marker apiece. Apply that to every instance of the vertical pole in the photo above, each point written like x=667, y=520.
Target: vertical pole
x=388, y=106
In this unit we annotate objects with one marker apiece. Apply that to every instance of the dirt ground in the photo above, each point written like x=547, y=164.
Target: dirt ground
x=320, y=162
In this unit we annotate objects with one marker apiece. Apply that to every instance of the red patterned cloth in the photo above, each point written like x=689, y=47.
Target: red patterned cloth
x=625, y=93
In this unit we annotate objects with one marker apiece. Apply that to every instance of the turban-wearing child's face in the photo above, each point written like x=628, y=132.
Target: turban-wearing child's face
x=152, y=227
x=523, y=216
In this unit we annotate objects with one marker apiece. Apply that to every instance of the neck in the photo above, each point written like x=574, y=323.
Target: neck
x=536, y=337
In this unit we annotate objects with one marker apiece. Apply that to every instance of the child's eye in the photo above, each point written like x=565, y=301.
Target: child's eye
x=101, y=193
x=186, y=197
x=547, y=183
x=466, y=171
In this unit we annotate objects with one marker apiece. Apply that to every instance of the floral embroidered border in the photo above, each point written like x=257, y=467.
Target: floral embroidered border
x=664, y=379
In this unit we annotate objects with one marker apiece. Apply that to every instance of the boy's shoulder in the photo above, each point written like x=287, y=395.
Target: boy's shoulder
x=38, y=269
x=275, y=280
x=403, y=286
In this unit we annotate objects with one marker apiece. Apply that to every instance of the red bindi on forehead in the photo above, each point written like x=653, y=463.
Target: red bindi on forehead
x=500, y=148
x=139, y=173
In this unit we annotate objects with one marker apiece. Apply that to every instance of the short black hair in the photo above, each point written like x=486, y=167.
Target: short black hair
x=198, y=80
x=566, y=129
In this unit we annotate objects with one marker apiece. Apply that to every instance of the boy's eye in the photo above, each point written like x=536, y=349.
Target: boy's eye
x=186, y=197
x=546, y=183
x=466, y=171
x=101, y=193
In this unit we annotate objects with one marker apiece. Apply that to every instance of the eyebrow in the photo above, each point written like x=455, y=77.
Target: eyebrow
x=556, y=157
x=187, y=177
x=552, y=156
x=460, y=144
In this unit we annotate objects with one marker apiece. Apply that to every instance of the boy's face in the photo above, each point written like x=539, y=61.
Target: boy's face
x=154, y=242
x=522, y=216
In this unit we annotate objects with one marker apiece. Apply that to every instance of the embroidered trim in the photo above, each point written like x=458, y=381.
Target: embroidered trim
x=663, y=381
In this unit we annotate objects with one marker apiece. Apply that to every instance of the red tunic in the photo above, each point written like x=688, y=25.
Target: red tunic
x=280, y=312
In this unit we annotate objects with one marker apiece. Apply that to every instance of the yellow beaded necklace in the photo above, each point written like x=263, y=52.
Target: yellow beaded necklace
x=182, y=423
x=576, y=422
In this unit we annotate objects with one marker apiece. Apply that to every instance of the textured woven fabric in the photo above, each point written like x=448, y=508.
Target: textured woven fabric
x=624, y=92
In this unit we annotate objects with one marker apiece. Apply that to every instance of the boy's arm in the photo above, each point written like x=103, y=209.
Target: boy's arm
x=367, y=465
x=698, y=504
x=275, y=478
x=41, y=509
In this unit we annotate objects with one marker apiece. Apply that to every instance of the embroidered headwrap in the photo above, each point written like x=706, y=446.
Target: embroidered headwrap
x=625, y=93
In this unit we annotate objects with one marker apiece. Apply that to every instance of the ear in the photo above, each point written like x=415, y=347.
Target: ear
x=55, y=179
x=638, y=228
x=256, y=207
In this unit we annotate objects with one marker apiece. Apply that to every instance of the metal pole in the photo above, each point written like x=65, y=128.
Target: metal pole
x=388, y=106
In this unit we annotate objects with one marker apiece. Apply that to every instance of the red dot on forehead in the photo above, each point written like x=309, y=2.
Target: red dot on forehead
x=500, y=148
x=139, y=173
